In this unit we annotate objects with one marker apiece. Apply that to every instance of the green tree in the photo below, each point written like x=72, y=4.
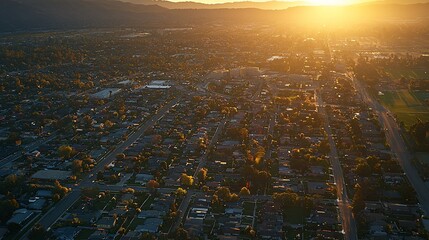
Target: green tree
x=286, y=199
x=363, y=169
x=358, y=204
x=217, y=205
x=181, y=234
x=225, y=194
x=100, y=176
x=77, y=166
x=38, y=232
x=7, y=207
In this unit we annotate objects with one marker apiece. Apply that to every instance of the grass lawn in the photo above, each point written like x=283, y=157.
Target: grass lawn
x=135, y=223
x=246, y=220
x=248, y=208
x=397, y=73
x=423, y=157
x=422, y=95
x=406, y=105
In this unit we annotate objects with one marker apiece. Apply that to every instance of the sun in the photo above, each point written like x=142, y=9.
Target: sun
x=328, y=2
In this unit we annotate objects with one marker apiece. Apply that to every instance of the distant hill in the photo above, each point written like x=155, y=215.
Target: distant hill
x=268, y=5
x=24, y=15
x=403, y=1
x=18, y=15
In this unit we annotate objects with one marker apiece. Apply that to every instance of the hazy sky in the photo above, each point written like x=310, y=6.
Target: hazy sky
x=310, y=2
x=313, y=2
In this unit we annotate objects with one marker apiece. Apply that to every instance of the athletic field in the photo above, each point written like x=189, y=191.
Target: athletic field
x=408, y=106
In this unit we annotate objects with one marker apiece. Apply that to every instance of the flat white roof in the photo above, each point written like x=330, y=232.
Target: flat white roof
x=158, y=82
x=105, y=93
x=157, y=87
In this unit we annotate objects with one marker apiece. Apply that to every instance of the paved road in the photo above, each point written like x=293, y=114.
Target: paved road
x=182, y=210
x=35, y=145
x=28, y=148
x=58, y=210
x=125, y=144
x=61, y=207
x=271, y=125
x=397, y=145
x=185, y=202
x=347, y=218
x=213, y=141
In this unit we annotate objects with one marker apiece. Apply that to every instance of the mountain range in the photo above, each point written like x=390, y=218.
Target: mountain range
x=267, y=5
x=25, y=15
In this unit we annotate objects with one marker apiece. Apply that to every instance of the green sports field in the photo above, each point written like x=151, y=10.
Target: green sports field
x=423, y=157
x=408, y=106
x=397, y=73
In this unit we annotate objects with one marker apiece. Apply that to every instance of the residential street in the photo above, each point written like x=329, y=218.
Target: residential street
x=57, y=211
x=397, y=145
x=347, y=218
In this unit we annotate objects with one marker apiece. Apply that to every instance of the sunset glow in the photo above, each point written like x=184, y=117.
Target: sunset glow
x=329, y=2
x=214, y=119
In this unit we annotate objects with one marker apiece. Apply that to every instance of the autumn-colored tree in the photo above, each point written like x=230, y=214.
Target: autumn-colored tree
x=186, y=180
x=75, y=221
x=259, y=155
x=77, y=166
x=152, y=184
x=225, y=194
x=122, y=231
x=129, y=190
x=108, y=124
x=114, y=178
x=216, y=204
x=181, y=192
x=202, y=175
x=244, y=134
x=65, y=151
x=56, y=197
x=358, y=204
x=181, y=234
x=59, y=189
x=244, y=191
x=120, y=156
x=249, y=232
